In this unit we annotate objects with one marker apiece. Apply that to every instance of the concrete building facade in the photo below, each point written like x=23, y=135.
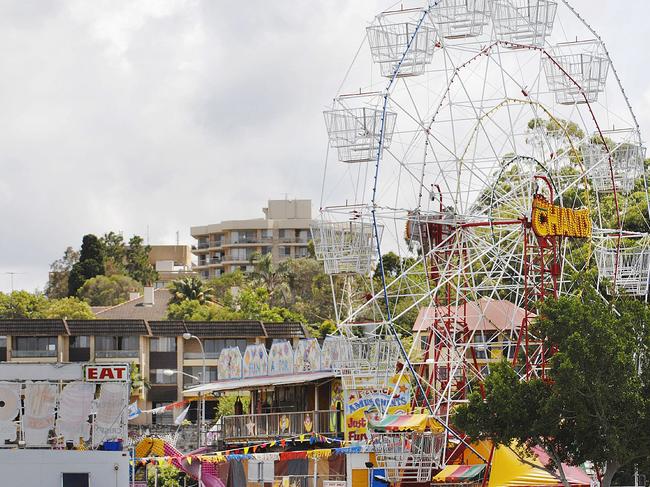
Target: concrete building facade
x=229, y=246
x=153, y=346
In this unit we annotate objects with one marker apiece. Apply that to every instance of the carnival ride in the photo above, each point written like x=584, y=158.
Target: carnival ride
x=491, y=146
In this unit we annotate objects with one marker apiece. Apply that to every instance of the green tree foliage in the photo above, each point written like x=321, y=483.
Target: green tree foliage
x=271, y=276
x=57, y=284
x=70, y=308
x=164, y=475
x=115, y=253
x=194, y=310
x=190, y=288
x=91, y=264
x=226, y=405
x=137, y=262
x=595, y=405
x=21, y=304
x=25, y=305
x=108, y=291
x=253, y=304
x=392, y=265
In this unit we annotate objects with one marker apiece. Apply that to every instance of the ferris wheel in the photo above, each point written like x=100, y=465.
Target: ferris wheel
x=491, y=146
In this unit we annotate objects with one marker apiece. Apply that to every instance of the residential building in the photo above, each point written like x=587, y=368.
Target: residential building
x=229, y=246
x=152, y=345
x=171, y=262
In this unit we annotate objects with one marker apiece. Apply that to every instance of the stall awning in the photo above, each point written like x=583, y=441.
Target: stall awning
x=406, y=422
x=453, y=474
x=260, y=382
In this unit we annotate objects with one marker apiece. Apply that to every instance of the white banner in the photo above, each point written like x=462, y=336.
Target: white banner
x=74, y=408
x=38, y=420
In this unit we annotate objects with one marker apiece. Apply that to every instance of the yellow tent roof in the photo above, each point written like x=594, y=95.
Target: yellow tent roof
x=508, y=470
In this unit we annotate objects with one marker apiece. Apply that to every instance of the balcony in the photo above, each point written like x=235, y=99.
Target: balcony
x=203, y=245
x=273, y=425
x=116, y=353
x=32, y=353
x=199, y=356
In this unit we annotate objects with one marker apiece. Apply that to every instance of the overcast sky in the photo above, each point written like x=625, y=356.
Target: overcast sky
x=128, y=115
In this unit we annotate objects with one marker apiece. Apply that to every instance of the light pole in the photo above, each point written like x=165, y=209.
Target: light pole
x=170, y=372
x=201, y=417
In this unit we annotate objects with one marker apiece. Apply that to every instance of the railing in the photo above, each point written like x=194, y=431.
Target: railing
x=328, y=423
x=33, y=353
x=311, y=481
x=116, y=354
x=198, y=355
x=203, y=245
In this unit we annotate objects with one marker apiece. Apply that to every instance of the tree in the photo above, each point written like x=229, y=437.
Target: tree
x=57, y=284
x=194, y=310
x=108, y=291
x=392, y=265
x=271, y=276
x=91, y=264
x=253, y=304
x=137, y=262
x=21, y=304
x=70, y=308
x=115, y=253
x=164, y=475
x=595, y=405
x=190, y=288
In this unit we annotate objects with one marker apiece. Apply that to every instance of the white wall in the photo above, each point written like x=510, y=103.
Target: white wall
x=43, y=468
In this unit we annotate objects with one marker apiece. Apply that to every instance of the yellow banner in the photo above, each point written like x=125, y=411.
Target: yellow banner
x=555, y=221
x=365, y=405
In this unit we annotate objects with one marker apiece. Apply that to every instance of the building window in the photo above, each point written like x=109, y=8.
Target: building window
x=157, y=376
x=163, y=344
x=480, y=345
x=80, y=342
x=284, y=251
x=196, y=371
x=75, y=479
x=213, y=347
x=162, y=418
x=34, y=347
x=267, y=234
x=203, y=243
x=205, y=274
x=118, y=346
x=286, y=235
x=302, y=252
x=234, y=237
x=302, y=235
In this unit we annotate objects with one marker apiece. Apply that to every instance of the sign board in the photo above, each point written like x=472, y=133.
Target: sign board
x=549, y=220
x=106, y=373
x=334, y=483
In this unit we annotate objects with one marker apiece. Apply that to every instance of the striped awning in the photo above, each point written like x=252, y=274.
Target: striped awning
x=460, y=473
x=406, y=422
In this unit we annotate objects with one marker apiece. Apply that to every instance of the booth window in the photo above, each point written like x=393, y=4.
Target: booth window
x=76, y=480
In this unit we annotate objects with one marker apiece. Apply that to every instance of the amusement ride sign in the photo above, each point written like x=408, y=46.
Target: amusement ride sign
x=550, y=220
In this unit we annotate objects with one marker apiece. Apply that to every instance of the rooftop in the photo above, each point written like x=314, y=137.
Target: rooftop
x=135, y=309
x=486, y=314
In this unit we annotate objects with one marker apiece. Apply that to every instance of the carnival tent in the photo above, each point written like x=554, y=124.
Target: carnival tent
x=509, y=471
x=406, y=422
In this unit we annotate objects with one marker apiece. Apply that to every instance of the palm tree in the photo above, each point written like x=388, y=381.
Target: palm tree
x=273, y=277
x=190, y=288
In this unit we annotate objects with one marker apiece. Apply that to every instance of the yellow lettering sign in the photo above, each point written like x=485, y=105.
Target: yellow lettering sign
x=555, y=221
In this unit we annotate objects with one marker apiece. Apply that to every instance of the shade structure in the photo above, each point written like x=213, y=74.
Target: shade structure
x=406, y=422
x=458, y=474
x=509, y=471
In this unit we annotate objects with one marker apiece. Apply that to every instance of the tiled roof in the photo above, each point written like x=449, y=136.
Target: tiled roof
x=136, y=309
x=285, y=330
x=107, y=327
x=234, y=329
x=167, y=328
x=32, y=327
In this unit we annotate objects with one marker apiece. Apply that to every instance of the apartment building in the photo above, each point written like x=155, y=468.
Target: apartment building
x=229, y=246
x=156, y=347
x=171, y=262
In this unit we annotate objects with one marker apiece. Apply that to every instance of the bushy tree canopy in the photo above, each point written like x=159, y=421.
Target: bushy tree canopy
x=108, y=291
x=595, y=404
